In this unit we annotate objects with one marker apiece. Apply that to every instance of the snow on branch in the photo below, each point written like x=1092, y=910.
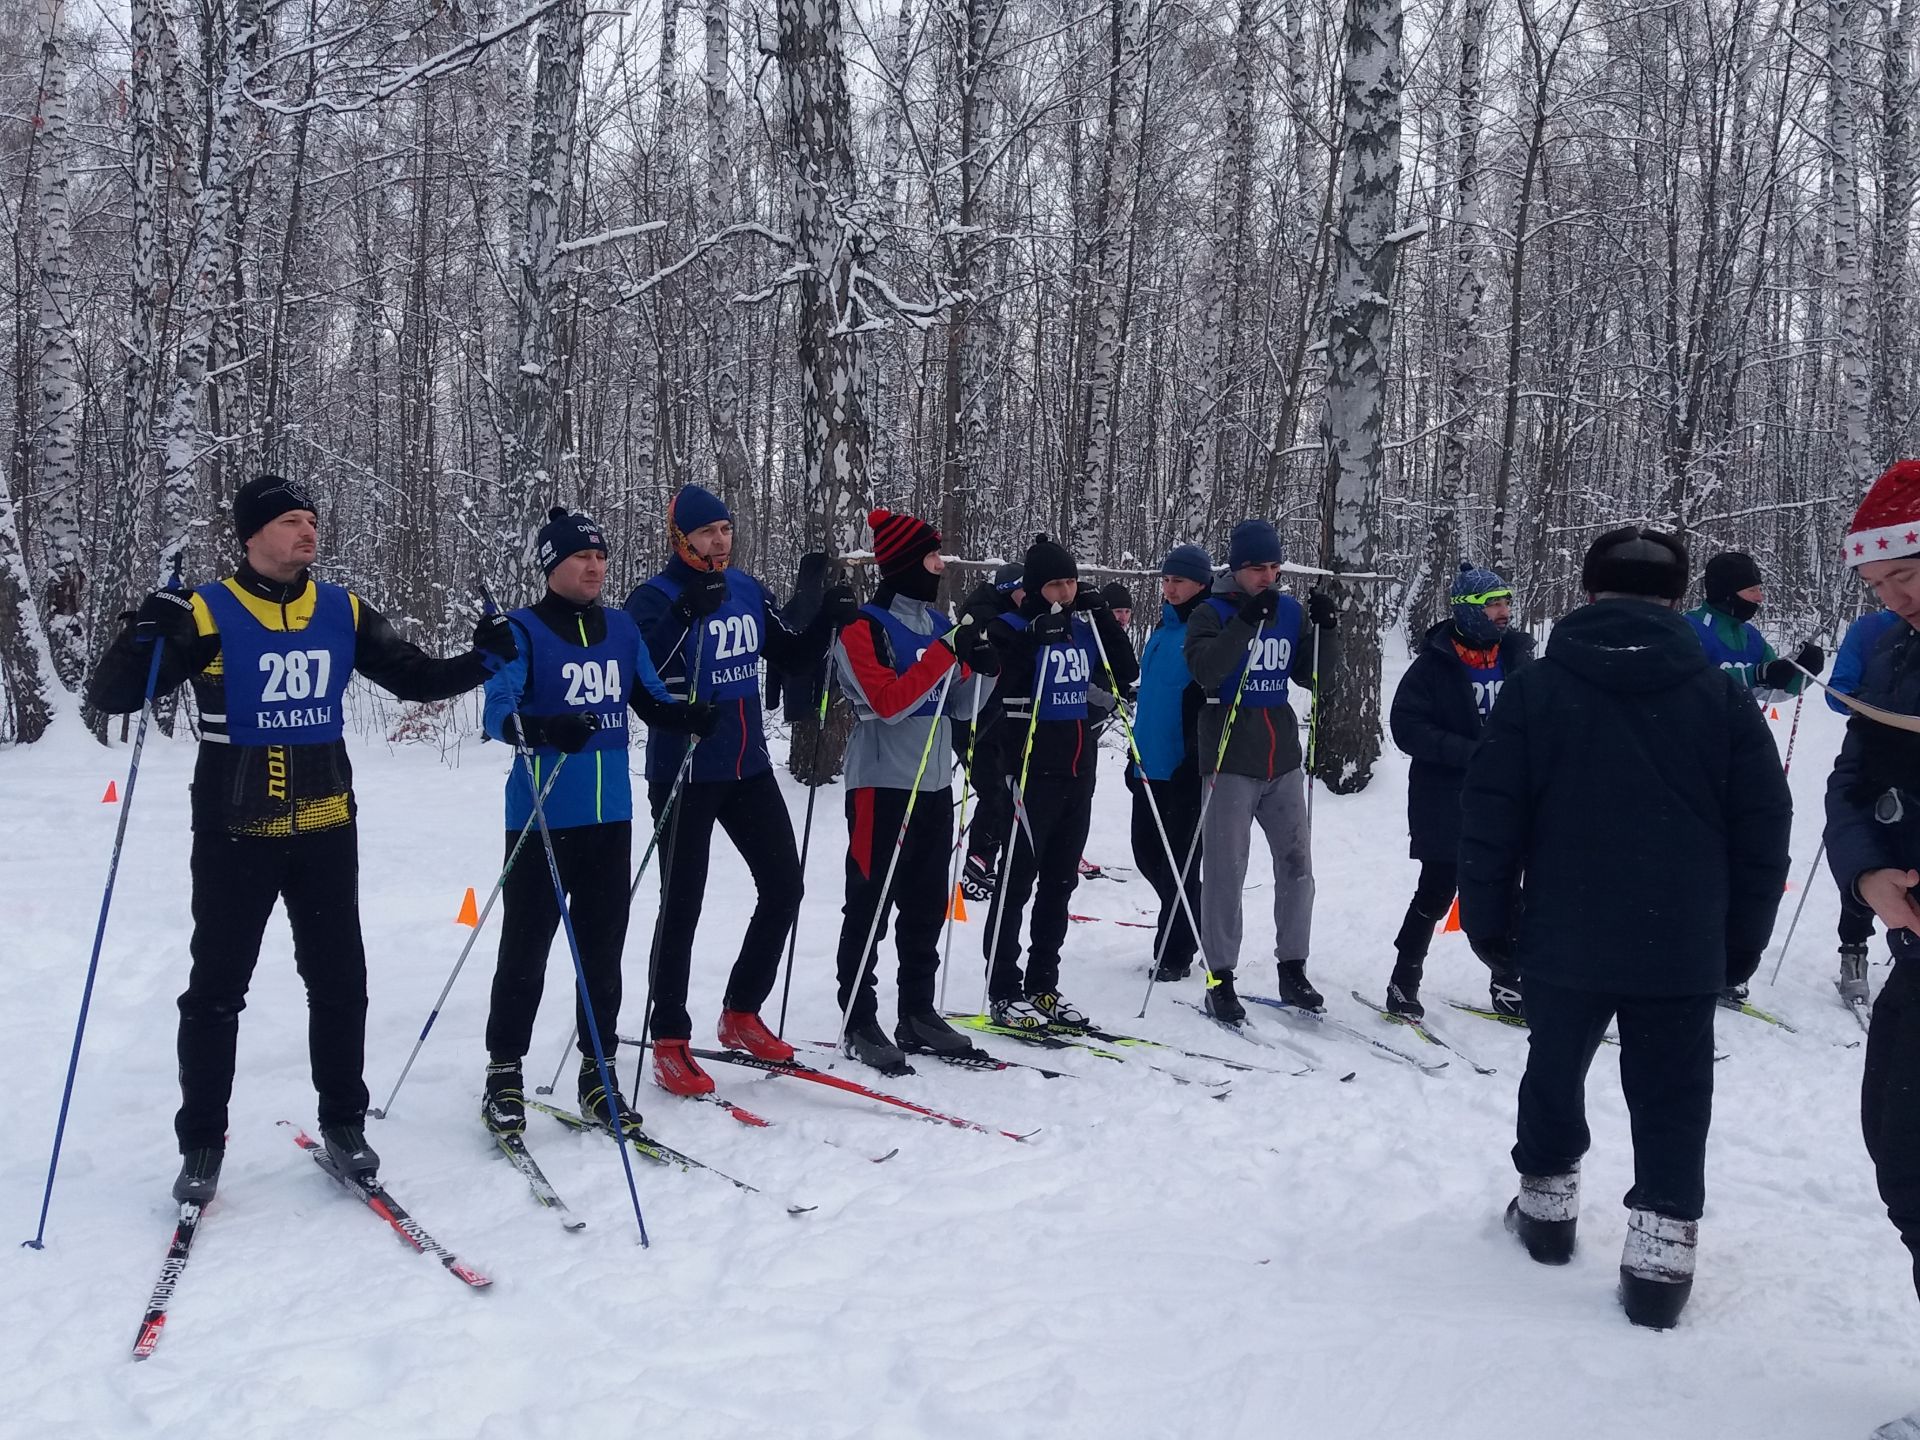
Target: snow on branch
x=701, y=247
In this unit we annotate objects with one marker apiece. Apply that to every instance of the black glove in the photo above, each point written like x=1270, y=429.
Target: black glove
x=1741, y=966
x=970, y=645
x=837, y=606
x=1776, y=675
x=493, y=638
x=568, y=733
x=1051, y=627
x=983, y=602
x=705, y=593
x=1811, y=658
x=1321, y=610
x=695, y=717
x=1088, y=599
x=1258, y=609
x=167, y=616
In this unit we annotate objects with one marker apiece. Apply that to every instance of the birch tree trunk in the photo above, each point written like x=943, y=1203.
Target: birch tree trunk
x=63, y=592
x=733, y=470
x=1852, y=403
x=1092, y=499
x=538, y=443
x=209, y=260
x=1893, y=365
x=1359, y=329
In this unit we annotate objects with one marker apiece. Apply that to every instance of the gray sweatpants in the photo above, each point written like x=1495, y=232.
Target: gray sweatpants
x=1279, y=806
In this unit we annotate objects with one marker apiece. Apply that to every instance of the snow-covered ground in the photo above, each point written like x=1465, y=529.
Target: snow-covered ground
x=1304, y=1257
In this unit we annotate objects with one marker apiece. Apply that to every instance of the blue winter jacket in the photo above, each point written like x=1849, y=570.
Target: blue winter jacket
x=1164, y=716
x=1849, y=665
x=1875, y=759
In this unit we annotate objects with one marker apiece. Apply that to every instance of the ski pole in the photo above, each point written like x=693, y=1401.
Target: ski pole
x=39, y=1240
x=380, y=1112
x=1199, y=827
x=1805, y=888
x=954, y=861
x=614, y=1108
x=899, y=844
x=999, y=906
x=806, y=843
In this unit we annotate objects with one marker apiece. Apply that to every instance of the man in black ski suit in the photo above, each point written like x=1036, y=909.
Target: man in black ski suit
x=1439, y=708
x=269, y=651
x=1623, y=845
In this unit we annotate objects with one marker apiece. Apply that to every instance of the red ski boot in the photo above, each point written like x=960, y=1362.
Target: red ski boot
x=745, y=1030
x=677, y=1072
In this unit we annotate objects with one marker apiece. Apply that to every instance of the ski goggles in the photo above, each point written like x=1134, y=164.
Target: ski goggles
x=1485, y=597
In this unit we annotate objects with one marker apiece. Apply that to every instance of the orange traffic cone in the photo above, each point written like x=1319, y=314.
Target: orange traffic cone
x=469, y=912
x=957, y=907
x=1452, y=925
x=112, y=796
x=1774, y=713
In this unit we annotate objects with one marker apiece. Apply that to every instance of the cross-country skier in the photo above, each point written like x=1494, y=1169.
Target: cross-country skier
x=1623, y=845
x=581, y=667
x=1166, y=727
x=1049, y=659
x=1856, y=920
x=1439, y=709
x=894, y=661
x=704, y=620
x=1249, y=628
x=1873, y=840
x=1734, y=592
x=269, y=651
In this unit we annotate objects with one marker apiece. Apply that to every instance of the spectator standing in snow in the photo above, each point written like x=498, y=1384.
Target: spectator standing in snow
x=1624, y=831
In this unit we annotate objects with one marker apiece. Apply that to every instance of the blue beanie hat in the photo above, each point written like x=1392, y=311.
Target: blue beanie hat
x=1470, y=620
x=565, y=535
x=1254, y=542
x=1008, y=578
x=1189, y=562
x=692, y=507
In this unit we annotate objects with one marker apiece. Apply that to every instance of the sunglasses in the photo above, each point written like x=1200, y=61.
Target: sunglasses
x=1484, y=598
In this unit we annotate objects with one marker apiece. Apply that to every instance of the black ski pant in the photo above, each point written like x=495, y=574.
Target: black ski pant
x=1058, y=809
x=1890, y=1102
x=1432, y=896
x=236, y=880
x=594, y=863
x=993, y=795
x=1179, y=804
x=754, y=816
x=918, y=895
x=1856, y=922
x=1666, y=1075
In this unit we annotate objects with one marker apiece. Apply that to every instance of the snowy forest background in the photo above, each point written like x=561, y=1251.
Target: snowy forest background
x=1454, y=278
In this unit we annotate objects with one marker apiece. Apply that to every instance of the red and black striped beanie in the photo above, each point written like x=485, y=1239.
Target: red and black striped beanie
x=899, y=541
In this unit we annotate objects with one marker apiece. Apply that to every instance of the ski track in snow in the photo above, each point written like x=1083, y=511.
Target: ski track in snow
x=1302, y=1258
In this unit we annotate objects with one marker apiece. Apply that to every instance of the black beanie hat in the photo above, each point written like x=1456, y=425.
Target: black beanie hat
x=565, y=535
x=1634, y=560
x=1117, y=596
x=1726, y=575
x=268, y=497
x=1047, y=560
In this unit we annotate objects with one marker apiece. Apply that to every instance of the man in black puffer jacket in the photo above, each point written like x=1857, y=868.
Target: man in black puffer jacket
x=1623, y=848
x=1438, y=710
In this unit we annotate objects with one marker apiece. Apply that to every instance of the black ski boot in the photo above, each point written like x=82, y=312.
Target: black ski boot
x=1852, y=983
x=1656, y=1268
x=923, y=1032
x=1222, y=1004
x=977, y=878
x=1504, y=995
x=1296, y=989
x=348, y=1149
x=1545, y=1215
x=1403, y=991
x=504, y=1110
x=594, y=1104
x=1173, y=970
x=868, y=1043
x=199, y=1175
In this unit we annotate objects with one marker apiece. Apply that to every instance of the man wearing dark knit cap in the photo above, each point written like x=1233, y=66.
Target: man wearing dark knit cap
x=993, y=801
x=1623, y=847
x=1734, y=591
x=707, y=625
x=269, y=652
x=581, y=668
x=905, y=668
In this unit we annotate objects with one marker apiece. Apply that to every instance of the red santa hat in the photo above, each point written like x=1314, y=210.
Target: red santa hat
x=1887, y=524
